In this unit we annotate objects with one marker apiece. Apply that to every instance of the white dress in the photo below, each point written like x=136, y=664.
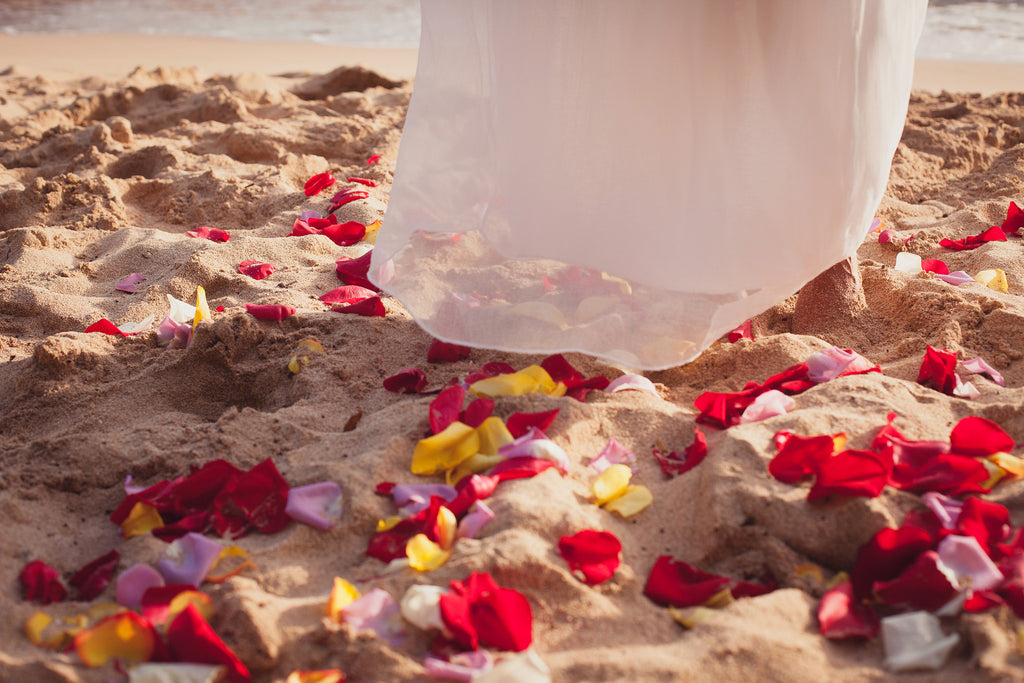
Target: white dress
x=634, y=179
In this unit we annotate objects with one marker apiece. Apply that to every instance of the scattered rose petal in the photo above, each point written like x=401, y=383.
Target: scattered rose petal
x=955, y=278
x=965, y=557
x=613, y=453
x=443, y=352
x=257, y=270
x=993, y=278
x=373, y=160
x=342, y=595
x=303, y=354
x=318, y=505
x=887, y=236
x=318, y=183
x=190, y=639
x=938, y=370
x=520, y=423
x=576, y=385
x=946, y=509
x=368, y=308
x=1014, y=220
x=445, y=409
x=410, y=380
x=841, y=616
x=421, y=606
x=353, y=271
x=907, y=262
x=376, y=611
x=886, y=556
x=464, y=666
x=932, y=265
x=769, y=404
x=635, y=499
x=744, y=331
x=277, y=312
x=128, y=284
x=137, y=327
x=424, y=554
x=42, y=583
x=188, y=559
x=914, y=641
x=672, y=464
x=445, y=450
x=824, y=366
x=212, y=234
x=180, y=312
x=362, y=181
x=851, y=473
x=993, y=234
x=475, y=520
x=522, y=667
x=202, y=308
x=91, y=579
x=133, y=583
x=479, y=411
x=724, y=409
x=595, y=554
x=346, y=196
x=478, y=612
x=980, y=367
x=632, y=383
x=106, y=327
x=977, y=437
x=926, y=584
x=673, y=582
x=349, y=294
x=126, y=637
x=612, y=483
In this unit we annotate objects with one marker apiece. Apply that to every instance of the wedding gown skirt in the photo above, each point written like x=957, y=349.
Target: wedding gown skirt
x=634, y=179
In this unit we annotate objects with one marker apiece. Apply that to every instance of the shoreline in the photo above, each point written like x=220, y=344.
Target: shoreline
x=114, y=55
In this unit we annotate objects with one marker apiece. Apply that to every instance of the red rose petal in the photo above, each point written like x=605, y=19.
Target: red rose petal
x=443, y=352
x=345, y=196
x=922, y=586
x=212, y=234
x=476, y=412
x=42, y=583
x=978, y=437
x=349, y=294
x=362, y=181
x=276, y=312
x=594, y=553
x=410, y=380
x=886, y=556
x=799, y=456
x=260, y=495
x=577, y=386
x=952, y=475
x=520, y=423
x=353, y=271
x=106, y=327
x=723, y=409
x=91, y=579
x=840, y=615
x=993, y=234
x=368, y=308
x=1014, y=220
x=493, y=369
x=345, y=234
x=934, y=265
x=938, y=370
x=318, y=183
x=673, y=582
x=446, y=408
x=190, y=639
x=744, y=331
x=672, y=464
x=255, y=269
x=986, y=521
x=520, y=468
x=479, y=611
x=851, y=473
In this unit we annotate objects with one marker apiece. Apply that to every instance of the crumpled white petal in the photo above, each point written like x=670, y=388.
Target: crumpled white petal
x=180, y=312
x=769, y=404
x=965, y=389
x=522, y=667
x=980, y=367
x=826, y=365
x=614, y=453
x=908, y=263
x=914, y=641
x=135, y=328
x=633, y=383
x=421, y=606
x=965, y=556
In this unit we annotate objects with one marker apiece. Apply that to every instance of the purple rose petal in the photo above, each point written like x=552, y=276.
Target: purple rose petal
x=826, y=365
x=318, y=505
x=376, y=611
x=771, y=403
x=414, y=498
x=189, y=559
x=133, y=582
x=945, y=508
x=173, y=334
x=475, y=520
x=128, y=284
x=613, y=453
x=464, y=666
x=957, y=277
x=306, y=215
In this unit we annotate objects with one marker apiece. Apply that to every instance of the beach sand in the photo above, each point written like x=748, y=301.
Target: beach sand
x=105, y=166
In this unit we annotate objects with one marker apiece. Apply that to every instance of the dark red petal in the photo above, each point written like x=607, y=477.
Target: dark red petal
x=106, y=327
x=368, y=308
x=198, y=522
x=353, y=271
x=799, y=457
x=255, y=269
x=349, y=294
x=387, y=545
x=673, y=582
x=922, y=586
x=744, y=331
x=345, y=196
x=276, y=312
x=978, y=437
x=42, y=583
x=190, y=639
x=476, y=412
x=1014, y=220
x=594, y=553
x=91, y=579
x=840, y=615
x=479, y=611
x=362, y=181
x=561, y=370
x=938, y=370
x=672, y=464
x=410, y=380
x=318, y=183
x=987, y=521
x=886, y=556
x=471, y=489
x=443, y=352
x=445, y=409
x=520, y=423
x=262, y=495
x=300, y=228
x=851, y=473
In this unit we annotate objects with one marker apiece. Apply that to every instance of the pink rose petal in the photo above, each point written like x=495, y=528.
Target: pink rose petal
x=946, y=509
x=276, y=312
x=771, y=403
x=980, y=367
x=173, y=334
x=967, y=559
x=318, y=505
x=826, y=365
x=534, y=444
x=475, y=520
x=128, y=284
x=633, y=383
x=464, y=666
x=188, y=559
x=349, y=294
x=957, y=277
x=376, y=611
x=257, y=270
x=613, y=453
x=212, y=234
x=133, y=583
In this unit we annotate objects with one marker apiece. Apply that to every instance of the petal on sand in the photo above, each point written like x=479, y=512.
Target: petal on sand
x=106, y=327
x=927, y=584
x=478, y=611
x=993, y=278
x=611, y=484
x=91, y=579
x=425, y=555
x=934, y=265
x=445, y=450
x=174, y=672
x=770, y=404
x=464, y=666
x=908, y=263
x=277, y=312
x=362, y=181
x=980, y=367
x=368, y=308
x=1014, y=220
x=133, y=583
x=318, y=676
x=672, y=464
x=914, y=642
x=342, y=595
x=376, y=611
x=824, y=366
x=191, y=639
x=208, y=233
x=318, y=505
x=410, y=381
x=42, y=583
x=126, y=637
x=303, y=354
x=375, y=159
x=840, y=615
x=520, y=423
x=956, y=278
x=594, y=554
x=800, y=456
x=938, y=370
x=493, y=434
x=744, y=331
x=180, y=312
x=128, y=284
x=633, y=383
x=534, y=444
x=613, y=453
x=977, y=437
x=202, y=308
x=188, y=559
x=965, y=557
x=353, y=271
x=852, y=473
x=443, y=352
x=257, y=270
x=318, y=183
x=349, y=294
x=446, y=408
x=674, y=582
x=421, y=606
x=475, y=520
x=993, y=234
x=634, y=500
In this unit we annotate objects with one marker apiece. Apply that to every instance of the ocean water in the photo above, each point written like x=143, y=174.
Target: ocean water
x=967, y=30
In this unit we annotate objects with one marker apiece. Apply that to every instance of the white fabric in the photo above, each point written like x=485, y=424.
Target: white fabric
x=672, y=166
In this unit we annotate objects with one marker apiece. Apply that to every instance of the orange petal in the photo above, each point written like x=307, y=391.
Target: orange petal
x=322, y=676
x=126, y=637
x=342, y=595
x=142, y=519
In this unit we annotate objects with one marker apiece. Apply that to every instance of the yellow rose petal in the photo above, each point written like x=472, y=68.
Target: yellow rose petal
x=995, y=473
x=180, y=602
x=1011, y=464
x=692, y=617
x=994, y=278
x=142, y=519
x=444, y=451
x=493, y=435
x=512, y=384
x=425, y=555
x=371, y=232
x=722, y=598
x=836, y=580
x=389, y=523
x=810, y=569
x=124, y=636
x=593, y=306
x=322, y=676
x=35, y=630
x=447, y=525
x=474, y=465
x=302, y=354
x=342, y=595
x=202, y=308
x=545, y=385
x=635, y=499
x=611, y=483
